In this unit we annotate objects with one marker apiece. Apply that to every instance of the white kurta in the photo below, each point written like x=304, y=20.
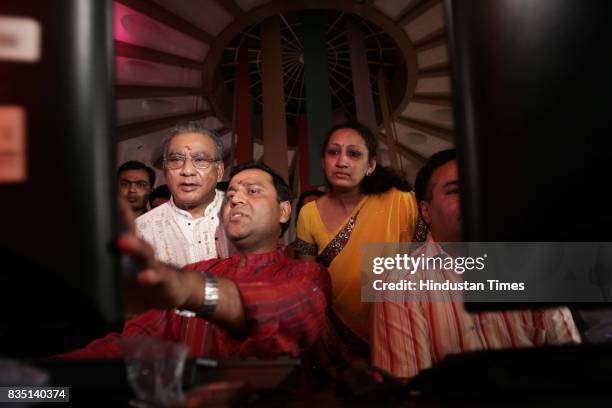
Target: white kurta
x=178, y=238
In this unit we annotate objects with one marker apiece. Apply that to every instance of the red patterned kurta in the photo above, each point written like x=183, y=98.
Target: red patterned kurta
x=285, y=303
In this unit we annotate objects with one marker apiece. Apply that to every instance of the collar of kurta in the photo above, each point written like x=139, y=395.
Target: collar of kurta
x=260, y=260
x=432, y=248
x=213, y=207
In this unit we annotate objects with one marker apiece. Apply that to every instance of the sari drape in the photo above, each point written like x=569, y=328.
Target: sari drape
x=383, y=218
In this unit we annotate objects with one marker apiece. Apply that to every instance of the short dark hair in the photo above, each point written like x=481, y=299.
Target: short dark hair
x=161, y=191
x=136, y=165
x=382, y=178
x=283, y=192
x=421, y=182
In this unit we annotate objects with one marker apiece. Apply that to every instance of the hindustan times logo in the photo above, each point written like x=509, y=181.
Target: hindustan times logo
x=412, y=264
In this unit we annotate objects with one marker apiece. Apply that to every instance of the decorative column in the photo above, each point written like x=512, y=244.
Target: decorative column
x=244, y=112
x=274, y=123
x=385, y=106
x=302, y=138
x=364, y=101
x=316, y=84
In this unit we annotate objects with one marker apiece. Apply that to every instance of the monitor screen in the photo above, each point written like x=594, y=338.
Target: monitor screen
x=532, y=95
x=532, y=89
x=57, y=161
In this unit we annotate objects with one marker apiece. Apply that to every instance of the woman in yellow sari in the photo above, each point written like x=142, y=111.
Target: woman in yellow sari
x=366, y=203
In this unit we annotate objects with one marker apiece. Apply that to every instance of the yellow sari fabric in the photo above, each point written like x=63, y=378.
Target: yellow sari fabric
x=387, y=217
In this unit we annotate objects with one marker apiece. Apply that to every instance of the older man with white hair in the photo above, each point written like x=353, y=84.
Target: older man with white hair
x=186, y=229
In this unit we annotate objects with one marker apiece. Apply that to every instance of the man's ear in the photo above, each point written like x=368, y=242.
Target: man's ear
x=220, y=171
x=424, y=205
x=285, y=212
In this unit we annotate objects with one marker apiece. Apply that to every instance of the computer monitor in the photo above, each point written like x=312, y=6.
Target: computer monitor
x=532, y=90
x=59, y=279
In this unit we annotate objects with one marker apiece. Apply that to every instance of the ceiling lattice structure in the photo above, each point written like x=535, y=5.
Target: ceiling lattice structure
x=174, y=62
x=380, y=48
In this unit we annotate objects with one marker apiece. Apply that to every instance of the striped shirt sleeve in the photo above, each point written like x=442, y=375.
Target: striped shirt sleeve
x=401, y=342
x=559, y=325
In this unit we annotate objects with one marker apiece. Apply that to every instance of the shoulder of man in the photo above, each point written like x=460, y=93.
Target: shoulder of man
x=314, y=272
x=219, y=197
x=142, y=223
x=155, y=212
x=207, y=265
x=299, y=266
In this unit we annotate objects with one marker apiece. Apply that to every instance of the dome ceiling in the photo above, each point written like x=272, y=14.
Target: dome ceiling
x=380, y=48
x=175, y=61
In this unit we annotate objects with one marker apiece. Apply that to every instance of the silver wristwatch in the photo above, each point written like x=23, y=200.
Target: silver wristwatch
x=211, y=295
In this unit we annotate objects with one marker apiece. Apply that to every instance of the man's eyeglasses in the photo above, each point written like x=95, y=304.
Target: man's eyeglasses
x=177, y=161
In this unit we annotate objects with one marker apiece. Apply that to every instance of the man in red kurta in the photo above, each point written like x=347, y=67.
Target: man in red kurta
x=256, y=303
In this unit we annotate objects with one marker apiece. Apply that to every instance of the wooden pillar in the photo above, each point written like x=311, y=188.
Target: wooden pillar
x=274, y=123
x=302, y=137
x=385, y=106
x=318, y=96
x=244, y=113
x=362, y=87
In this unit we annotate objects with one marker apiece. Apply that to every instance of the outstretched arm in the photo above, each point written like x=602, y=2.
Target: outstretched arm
x=161, y=286
x=156, y=285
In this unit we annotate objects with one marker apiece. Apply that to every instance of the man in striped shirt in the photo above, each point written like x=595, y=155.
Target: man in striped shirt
x=412, y=335
x=257, y=303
